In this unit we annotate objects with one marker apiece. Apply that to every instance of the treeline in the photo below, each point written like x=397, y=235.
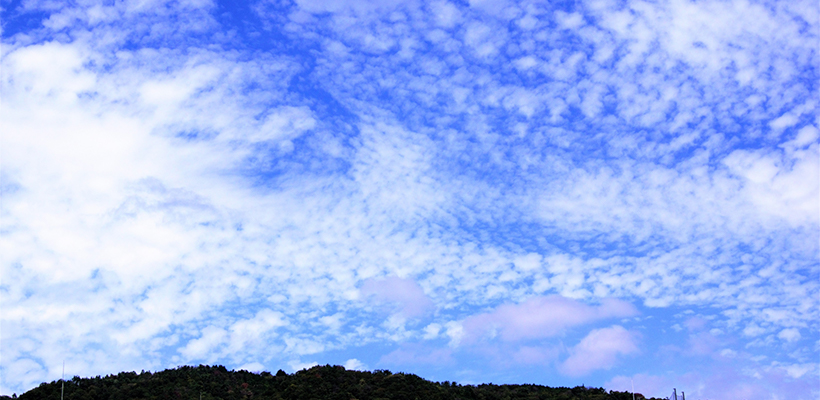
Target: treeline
x=317, y=383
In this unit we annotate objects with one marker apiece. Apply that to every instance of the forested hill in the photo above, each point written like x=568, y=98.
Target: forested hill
x=317, y=383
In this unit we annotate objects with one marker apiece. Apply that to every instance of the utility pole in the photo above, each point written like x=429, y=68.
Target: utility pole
x=62, y=389
x=633, y=388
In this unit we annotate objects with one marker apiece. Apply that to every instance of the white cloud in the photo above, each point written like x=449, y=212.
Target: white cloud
x=599, y=350
x=432, y=331
x=253, y=367
x=569, y=20
x=203, y=347
x=789, y=335
x=784, y=121
x=798, y=370
x=244, y=332
x=303, y=346
x=188, y=198
x=354, y=364
x=754, y=330
x=446, y=14
x=296, y=366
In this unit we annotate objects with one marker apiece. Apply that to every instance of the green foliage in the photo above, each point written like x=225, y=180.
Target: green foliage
x=317, y=383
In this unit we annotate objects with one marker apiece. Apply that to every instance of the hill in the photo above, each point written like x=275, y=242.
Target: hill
x=317, y=383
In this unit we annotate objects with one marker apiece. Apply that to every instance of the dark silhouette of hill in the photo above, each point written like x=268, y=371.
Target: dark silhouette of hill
x=317, y=383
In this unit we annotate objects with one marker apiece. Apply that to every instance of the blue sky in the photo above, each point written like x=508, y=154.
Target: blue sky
x=565, y=193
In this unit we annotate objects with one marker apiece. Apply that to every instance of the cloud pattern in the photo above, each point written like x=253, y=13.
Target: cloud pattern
x=596, y=188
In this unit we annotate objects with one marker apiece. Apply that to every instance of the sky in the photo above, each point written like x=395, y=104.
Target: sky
x=600, y=193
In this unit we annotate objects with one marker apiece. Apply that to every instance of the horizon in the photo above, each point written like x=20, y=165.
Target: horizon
x=601, y=192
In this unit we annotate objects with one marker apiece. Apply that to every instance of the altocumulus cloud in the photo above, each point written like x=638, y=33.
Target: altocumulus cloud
x=511, y=191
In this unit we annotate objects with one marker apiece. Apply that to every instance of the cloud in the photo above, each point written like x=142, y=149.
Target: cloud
x=180, y=186
x=599, y=350
x=541, y=317
x=703, y=343
x=413, y=354
x=405, y=293
x=342, y=6
x=719, y=380
x=789, y=335
x=253, y=367
x=648, y=385
x=533, y=355
x=255, y=332
x=354, y=364
x=296, y=366
x=695, y=323
x=203, y=347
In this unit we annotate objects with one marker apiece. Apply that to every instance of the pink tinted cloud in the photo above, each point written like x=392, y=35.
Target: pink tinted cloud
x=541, y=317
x=725, y=381
x=534, y=355
x=511, y=355
x=405, y=293
x=703, y=343
x=695, y=323
x=599, y=350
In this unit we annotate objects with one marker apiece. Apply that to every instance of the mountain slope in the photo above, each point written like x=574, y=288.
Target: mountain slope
x=317, y=383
